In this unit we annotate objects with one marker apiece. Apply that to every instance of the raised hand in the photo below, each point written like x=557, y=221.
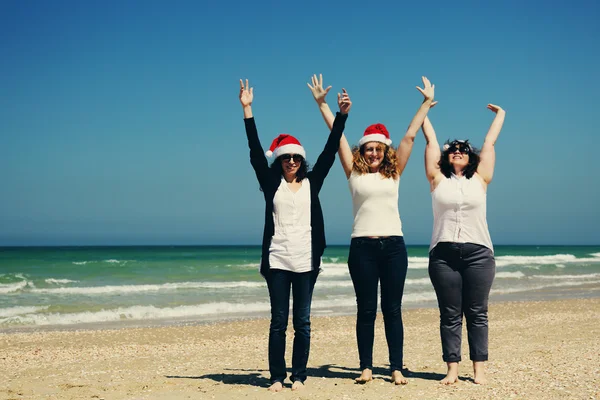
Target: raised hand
x=246, y=94
x=428, y=89
x=495, y=108
x=344, y=102
x=317, y=88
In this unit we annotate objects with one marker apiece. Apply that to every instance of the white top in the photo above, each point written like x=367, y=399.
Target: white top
x=459, y=212
x=291, y=246
x=375, y=205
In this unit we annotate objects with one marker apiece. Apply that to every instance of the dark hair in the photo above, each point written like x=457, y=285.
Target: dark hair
x=447, y=169
x=300, y=175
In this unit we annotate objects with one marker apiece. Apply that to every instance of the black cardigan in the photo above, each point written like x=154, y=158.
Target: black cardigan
x=269, y=183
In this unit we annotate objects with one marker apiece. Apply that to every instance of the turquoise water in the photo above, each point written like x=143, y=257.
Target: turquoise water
x=68, y=286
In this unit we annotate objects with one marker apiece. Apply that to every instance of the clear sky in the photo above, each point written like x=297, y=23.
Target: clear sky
x=120, y=121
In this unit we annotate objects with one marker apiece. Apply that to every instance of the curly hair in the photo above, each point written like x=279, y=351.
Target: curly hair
x=388, y=167
x=300, y=175
x=447, y=169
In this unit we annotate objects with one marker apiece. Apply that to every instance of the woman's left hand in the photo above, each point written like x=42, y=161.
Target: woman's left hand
x=344, y=102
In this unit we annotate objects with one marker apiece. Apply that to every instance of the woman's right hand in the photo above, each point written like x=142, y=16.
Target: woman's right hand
x=344, y=102
x=246, y=94
x=428, y=89
x=317, y=88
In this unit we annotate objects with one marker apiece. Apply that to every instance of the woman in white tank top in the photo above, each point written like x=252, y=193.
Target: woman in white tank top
x=377, y=249
x=461, y=255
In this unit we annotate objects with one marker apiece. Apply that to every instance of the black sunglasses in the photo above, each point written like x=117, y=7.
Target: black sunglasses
x=287, y=157
x=461, y=147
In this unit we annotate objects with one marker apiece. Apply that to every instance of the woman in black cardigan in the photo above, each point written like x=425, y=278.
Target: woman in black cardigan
x=294, y=234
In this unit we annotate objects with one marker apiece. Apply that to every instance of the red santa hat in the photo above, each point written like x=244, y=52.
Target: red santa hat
x=376, y=133
x=285, y=144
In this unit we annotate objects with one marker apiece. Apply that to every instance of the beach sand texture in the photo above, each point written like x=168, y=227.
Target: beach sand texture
x=538, y=350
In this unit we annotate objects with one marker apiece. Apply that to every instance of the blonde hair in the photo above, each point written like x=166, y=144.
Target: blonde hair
x=388, y=167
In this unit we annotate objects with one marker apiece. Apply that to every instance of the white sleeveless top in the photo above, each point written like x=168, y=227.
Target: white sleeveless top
x=375, y=205
x=291, y=246
x=459, y=212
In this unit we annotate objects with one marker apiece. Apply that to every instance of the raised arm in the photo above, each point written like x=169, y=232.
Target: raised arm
x=257, y=156
x=319, y=93
x=432, y=154
x=487, y=157
x=406, y=145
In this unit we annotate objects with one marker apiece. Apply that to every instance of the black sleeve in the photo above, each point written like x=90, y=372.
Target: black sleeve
x=257, y=156
x=327, y=156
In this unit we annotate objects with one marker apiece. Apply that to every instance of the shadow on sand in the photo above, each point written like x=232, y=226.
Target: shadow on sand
x=256, y=377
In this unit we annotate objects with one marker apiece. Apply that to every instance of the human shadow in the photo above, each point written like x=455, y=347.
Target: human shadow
x=255, y=377
x=380, y=372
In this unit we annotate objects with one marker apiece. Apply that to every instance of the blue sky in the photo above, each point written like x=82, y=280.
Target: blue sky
x=120, y=122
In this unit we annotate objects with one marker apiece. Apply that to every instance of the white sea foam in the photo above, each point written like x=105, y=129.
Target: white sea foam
x=529, y=261
x=112, y=261
x=12, y=287
x=120, y=289
x=334, y=284
x=247, y=265
x=34, y=315
x=19, y=310
x=348, y=283
x=59, y=281
x=541, y=286
x=418, y=262
x=31, y=315
x=568, y=277
x=501, y=261
x=329, y=269
x=517, y=274
x=135, y=313
x=81, y=262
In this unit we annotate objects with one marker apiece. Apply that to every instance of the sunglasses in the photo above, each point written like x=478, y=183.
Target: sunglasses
x=296, y=157
x=462, y=148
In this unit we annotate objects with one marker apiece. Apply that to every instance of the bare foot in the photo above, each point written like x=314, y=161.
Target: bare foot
x=297, y=385
x=398, y=378
x=479, y=372
x=452, y=375
x=366, y=376
x=276, y=387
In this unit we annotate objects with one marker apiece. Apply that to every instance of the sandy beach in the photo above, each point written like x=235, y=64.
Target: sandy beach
x=538, y=350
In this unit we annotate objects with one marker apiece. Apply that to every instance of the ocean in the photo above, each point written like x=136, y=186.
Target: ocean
x=91, y=287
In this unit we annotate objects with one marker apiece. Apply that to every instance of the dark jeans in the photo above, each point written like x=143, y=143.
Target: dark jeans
x=302, y=285
x=372, y=261
x=462, y=275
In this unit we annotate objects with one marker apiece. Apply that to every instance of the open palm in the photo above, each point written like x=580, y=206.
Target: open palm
x=428, y=90
x=317, y=89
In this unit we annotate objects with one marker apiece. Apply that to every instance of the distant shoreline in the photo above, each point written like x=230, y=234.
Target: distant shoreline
x=590, y=291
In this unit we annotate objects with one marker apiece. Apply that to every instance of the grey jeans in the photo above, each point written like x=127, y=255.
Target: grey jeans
x=462, y=275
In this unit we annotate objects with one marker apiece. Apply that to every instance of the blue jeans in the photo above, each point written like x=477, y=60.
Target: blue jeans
x=279, y=283
x=372, y=261
x=462, y=275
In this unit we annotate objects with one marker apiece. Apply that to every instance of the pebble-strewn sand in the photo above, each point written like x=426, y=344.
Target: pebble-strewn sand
x=538, y=350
